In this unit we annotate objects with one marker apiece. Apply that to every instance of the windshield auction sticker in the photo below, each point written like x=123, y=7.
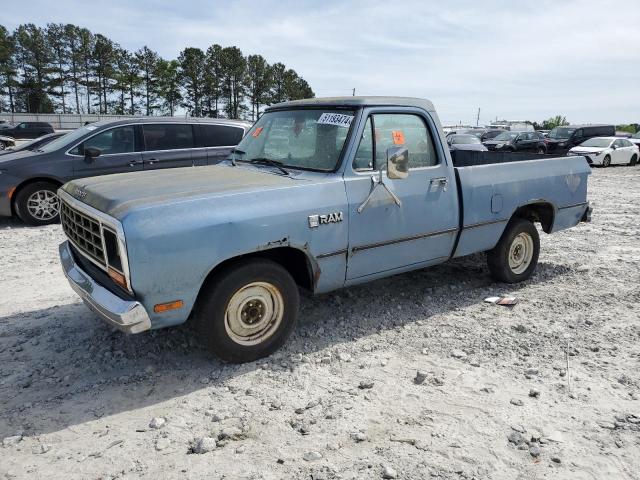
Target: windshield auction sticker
x=337, y=119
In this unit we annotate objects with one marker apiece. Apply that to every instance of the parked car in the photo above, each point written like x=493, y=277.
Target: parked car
x=6, y=143
x=635, y=139
x=517, y=142
x=29, y=180
x=363, y=188
x=28, y=130
x=33, y=145
x=465, y=142
x=607, y=151
x=562, y=139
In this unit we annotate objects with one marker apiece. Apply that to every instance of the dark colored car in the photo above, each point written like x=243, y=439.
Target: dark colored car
x=465, y=142
x=510, y=141
x=33, y=145
x=28, y=130
x=29, y=180
x=635, y=139
x=563, y=139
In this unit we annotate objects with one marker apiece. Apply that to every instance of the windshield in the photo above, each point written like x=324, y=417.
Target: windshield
x=310, y=139
x=506, y=136
x=464, y=139
x=596, y=142
x=561, y=132
x=68, y=139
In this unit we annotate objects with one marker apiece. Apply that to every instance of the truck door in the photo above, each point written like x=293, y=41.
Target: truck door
x=119, y=152
x=385, y=236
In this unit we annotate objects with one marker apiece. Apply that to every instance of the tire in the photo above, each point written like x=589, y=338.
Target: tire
x=3, y=145
x=515, y=257
x=250, y=288
x=38, y=204
x=606, y=161
x=633, y=161
x=541, y=151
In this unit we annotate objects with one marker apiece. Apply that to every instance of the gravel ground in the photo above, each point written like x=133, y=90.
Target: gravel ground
x=409, y=377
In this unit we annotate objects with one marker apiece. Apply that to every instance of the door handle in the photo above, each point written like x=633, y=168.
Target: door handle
x=152, y=161
x=443, y=181
x=133, y=163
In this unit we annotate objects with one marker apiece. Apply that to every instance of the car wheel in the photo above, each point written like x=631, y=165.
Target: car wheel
x=248, y=310
x=515, y=257
x=634, y=160
x=606, y=161
x=541, y=151
x=3, y=145
x=38, y=204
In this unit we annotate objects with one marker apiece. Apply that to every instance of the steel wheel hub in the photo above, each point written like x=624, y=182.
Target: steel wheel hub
x=520, y=253
x=254, y=313
x=43, y=205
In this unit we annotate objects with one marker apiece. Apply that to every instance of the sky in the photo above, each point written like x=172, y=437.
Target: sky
x=513, y=59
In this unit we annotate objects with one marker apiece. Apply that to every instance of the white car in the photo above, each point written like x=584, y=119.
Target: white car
x=607, y=151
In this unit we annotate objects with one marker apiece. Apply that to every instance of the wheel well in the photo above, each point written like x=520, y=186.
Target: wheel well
x=537, y=212
x=293, y=260
x=29, y=182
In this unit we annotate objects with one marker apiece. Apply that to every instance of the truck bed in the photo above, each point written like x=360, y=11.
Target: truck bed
x=469, y=158
x=491, y=191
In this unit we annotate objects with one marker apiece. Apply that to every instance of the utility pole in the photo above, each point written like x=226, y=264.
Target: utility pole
x=353, y=94
x=478, y=117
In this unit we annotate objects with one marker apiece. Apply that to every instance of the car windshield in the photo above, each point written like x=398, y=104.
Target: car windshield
x=596, y=142
x=506, y=136
x=68, y=139
x=464, y=139
x=561, y=132
x=309, y=139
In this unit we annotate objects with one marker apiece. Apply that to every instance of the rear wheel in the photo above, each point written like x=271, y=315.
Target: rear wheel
x=515, y=257
x=606, y=161
x=248, y=310
x=3, y=145
x=38, y=203
x=541, y=151
x=634, y=160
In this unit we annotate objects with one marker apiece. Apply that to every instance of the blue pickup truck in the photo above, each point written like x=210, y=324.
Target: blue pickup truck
x=320, y=194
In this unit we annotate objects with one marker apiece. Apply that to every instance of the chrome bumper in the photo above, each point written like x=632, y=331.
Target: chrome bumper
x=127, y=315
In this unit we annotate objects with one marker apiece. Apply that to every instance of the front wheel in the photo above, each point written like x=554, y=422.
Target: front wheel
x=2, y=146
x=38, y=204
x=515, y=257
x=606, y=161
x=248, y=310
x=634, y=160
x=541, y=151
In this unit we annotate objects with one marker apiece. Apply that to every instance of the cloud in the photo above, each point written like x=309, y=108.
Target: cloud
x=518, y=60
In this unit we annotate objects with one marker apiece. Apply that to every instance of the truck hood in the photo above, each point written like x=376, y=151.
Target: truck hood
x=117, y=194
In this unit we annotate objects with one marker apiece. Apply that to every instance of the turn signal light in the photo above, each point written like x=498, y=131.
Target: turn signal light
x=118, y=277
x=165, y=307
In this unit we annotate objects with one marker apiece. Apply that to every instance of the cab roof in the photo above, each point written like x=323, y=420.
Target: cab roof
x=356, y=102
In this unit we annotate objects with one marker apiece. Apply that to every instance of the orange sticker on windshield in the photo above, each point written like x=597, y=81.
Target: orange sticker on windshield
x=398, y=137
x=257, y=132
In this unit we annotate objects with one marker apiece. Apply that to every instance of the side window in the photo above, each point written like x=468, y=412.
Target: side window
x=219, y=135
x=395, y=129
x=112, y=141
x=168, y=136
x=22, y=126
x=578, y=134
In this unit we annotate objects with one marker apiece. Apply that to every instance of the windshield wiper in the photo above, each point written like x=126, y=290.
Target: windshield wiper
x=233, y=156
x=270, y=162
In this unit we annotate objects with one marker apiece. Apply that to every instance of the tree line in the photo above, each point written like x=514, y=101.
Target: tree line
x=68, y=69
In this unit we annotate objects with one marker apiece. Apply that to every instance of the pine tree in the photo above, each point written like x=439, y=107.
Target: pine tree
x=257, y=82
x=147, y=61
x=169, y=85
x=192, y=66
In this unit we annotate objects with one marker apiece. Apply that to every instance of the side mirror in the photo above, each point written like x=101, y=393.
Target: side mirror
x=397, y=163
x=90, y=153
x=614, y=147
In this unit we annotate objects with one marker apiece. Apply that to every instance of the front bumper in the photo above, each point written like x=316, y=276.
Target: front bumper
x=127, y=315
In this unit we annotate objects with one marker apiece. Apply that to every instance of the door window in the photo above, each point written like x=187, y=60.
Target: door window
x=112, y=141
x=390, y=130
x=219, y=135
x=167, y=136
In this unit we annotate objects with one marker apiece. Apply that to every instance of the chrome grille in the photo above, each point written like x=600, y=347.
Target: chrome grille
x=84, y=232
